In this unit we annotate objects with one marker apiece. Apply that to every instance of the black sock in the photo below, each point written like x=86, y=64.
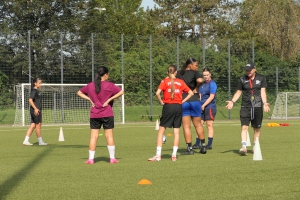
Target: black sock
x=202, y=142
x=189, y=146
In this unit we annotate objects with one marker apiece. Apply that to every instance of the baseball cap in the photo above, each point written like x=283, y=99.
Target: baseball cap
x=249, y=66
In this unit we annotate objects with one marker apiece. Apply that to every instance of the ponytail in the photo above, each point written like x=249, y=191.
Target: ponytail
x=101, y=71
x=171, y=70
x=34, y=81
x=187, y=63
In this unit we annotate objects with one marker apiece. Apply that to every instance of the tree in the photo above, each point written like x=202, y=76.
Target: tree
x=275, y=24
x=198, y=18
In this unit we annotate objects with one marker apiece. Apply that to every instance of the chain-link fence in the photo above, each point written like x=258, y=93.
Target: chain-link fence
x=139, y=62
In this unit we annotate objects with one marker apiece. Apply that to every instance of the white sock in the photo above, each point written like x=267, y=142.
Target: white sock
x=26, y=139
x=40, y=139
x=111, y=151
x=175, y=148
x=158, y=151
x=91, y=154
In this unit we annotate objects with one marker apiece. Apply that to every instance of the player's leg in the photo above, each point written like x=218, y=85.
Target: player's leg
x=28, y=134
x=186, y=125
x=176, y=130
x=108, y=126
x=38, y=127
x=256, y=124
x=197, y=143
x=95, y=125
x=245, y=117
x=210, y=117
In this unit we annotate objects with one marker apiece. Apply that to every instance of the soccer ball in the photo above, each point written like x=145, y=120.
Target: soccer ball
x=164, y=139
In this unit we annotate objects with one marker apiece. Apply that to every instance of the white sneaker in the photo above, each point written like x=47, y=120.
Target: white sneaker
x=243, y=151
x=26, y=143
x=43, y=143
x=155, y=158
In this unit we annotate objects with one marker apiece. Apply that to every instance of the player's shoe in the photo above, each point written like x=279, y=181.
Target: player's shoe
x=208, y=147
x=89, y=161
x=113, y=161
x=187, y=152
x=26, y=143
x=243, y=151
x=155, y=158
x=203, y=150
x=196, y=146
x=42, y=143
x=174, y=158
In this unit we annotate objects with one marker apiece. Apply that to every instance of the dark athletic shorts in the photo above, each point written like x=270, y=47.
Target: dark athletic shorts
x=192, y=109
x=36, y=119
x=253, y=115
x=107, y=122
x=171, y=116
x=209, y=114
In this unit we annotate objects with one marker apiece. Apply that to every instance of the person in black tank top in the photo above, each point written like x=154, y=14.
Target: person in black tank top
x=191, y=110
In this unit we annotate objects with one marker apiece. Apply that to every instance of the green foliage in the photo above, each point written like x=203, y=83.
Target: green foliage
x=6, y=93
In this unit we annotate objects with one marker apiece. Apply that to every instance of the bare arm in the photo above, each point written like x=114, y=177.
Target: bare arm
x=113, y=97
x=264, y=99
x=79, y=93
x=159, y=97
x=210, y=98
x=191, y=93
x=200, y=81
x=235, y=97
x=36, y=110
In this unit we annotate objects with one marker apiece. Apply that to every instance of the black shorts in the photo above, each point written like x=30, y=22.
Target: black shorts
x=36, y=119
x=209, y=114
x=171, y=116
x=253, y=115
x=107, y=122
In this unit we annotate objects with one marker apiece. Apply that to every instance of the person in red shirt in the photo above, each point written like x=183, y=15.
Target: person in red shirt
x=172, y=89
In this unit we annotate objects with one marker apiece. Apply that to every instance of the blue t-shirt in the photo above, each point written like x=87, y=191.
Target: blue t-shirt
x=205, y=90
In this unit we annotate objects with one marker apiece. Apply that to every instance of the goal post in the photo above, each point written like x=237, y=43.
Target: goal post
x=61, y=105
x=287, y=106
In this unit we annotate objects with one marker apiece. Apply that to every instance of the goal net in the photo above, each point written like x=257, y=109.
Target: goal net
x=287, y=106
x=61, y=105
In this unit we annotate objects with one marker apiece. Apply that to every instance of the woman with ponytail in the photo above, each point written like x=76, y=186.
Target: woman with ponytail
x=191, y=110
x=35, y=101
x=172, y=89
x=101, y=93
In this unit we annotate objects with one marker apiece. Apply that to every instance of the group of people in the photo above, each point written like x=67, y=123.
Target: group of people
x=188, y=97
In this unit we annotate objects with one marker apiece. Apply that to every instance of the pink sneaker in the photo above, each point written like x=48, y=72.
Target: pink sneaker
x=89, y=161
x=113, y=161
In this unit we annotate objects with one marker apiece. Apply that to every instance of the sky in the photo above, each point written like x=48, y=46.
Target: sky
x=146, y=3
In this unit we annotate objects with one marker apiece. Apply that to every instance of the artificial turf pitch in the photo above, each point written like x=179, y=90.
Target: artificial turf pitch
x=57, y=171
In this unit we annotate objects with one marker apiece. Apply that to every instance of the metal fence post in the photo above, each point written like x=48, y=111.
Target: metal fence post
x=29, y=58
x=151, y=103
x=122, y=57
x=203, y=52
x=62, y=76
x=229, y=78
x=253, y=54
x=93, y=54
x=178, y=51
x=276, y=81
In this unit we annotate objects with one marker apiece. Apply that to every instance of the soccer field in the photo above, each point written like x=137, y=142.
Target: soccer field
x=57, y=171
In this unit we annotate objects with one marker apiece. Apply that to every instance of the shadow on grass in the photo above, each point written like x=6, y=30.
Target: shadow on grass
x=7, y=186
x=236, y=151
x=3, y=117
x=68, y=146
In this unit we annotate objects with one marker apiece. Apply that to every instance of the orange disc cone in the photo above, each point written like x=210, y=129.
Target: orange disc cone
x=144, y=182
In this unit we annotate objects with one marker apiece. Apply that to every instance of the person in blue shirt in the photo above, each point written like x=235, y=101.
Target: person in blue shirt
x=207, y=94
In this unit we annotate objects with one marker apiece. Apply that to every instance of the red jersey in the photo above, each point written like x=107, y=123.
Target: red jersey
x=180, y=87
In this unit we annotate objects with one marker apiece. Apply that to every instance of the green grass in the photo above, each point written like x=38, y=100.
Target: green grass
x=57, y=171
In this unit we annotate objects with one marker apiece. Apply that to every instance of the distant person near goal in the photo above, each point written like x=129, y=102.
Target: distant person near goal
x=252, y=87
x=101, y=94
x=35, y=101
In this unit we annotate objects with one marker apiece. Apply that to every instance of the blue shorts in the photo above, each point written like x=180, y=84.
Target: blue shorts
x=209, y=114
x=192, y=109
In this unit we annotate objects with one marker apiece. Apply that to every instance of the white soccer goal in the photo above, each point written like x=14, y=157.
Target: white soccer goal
x=61, y=105
x=287, y=106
